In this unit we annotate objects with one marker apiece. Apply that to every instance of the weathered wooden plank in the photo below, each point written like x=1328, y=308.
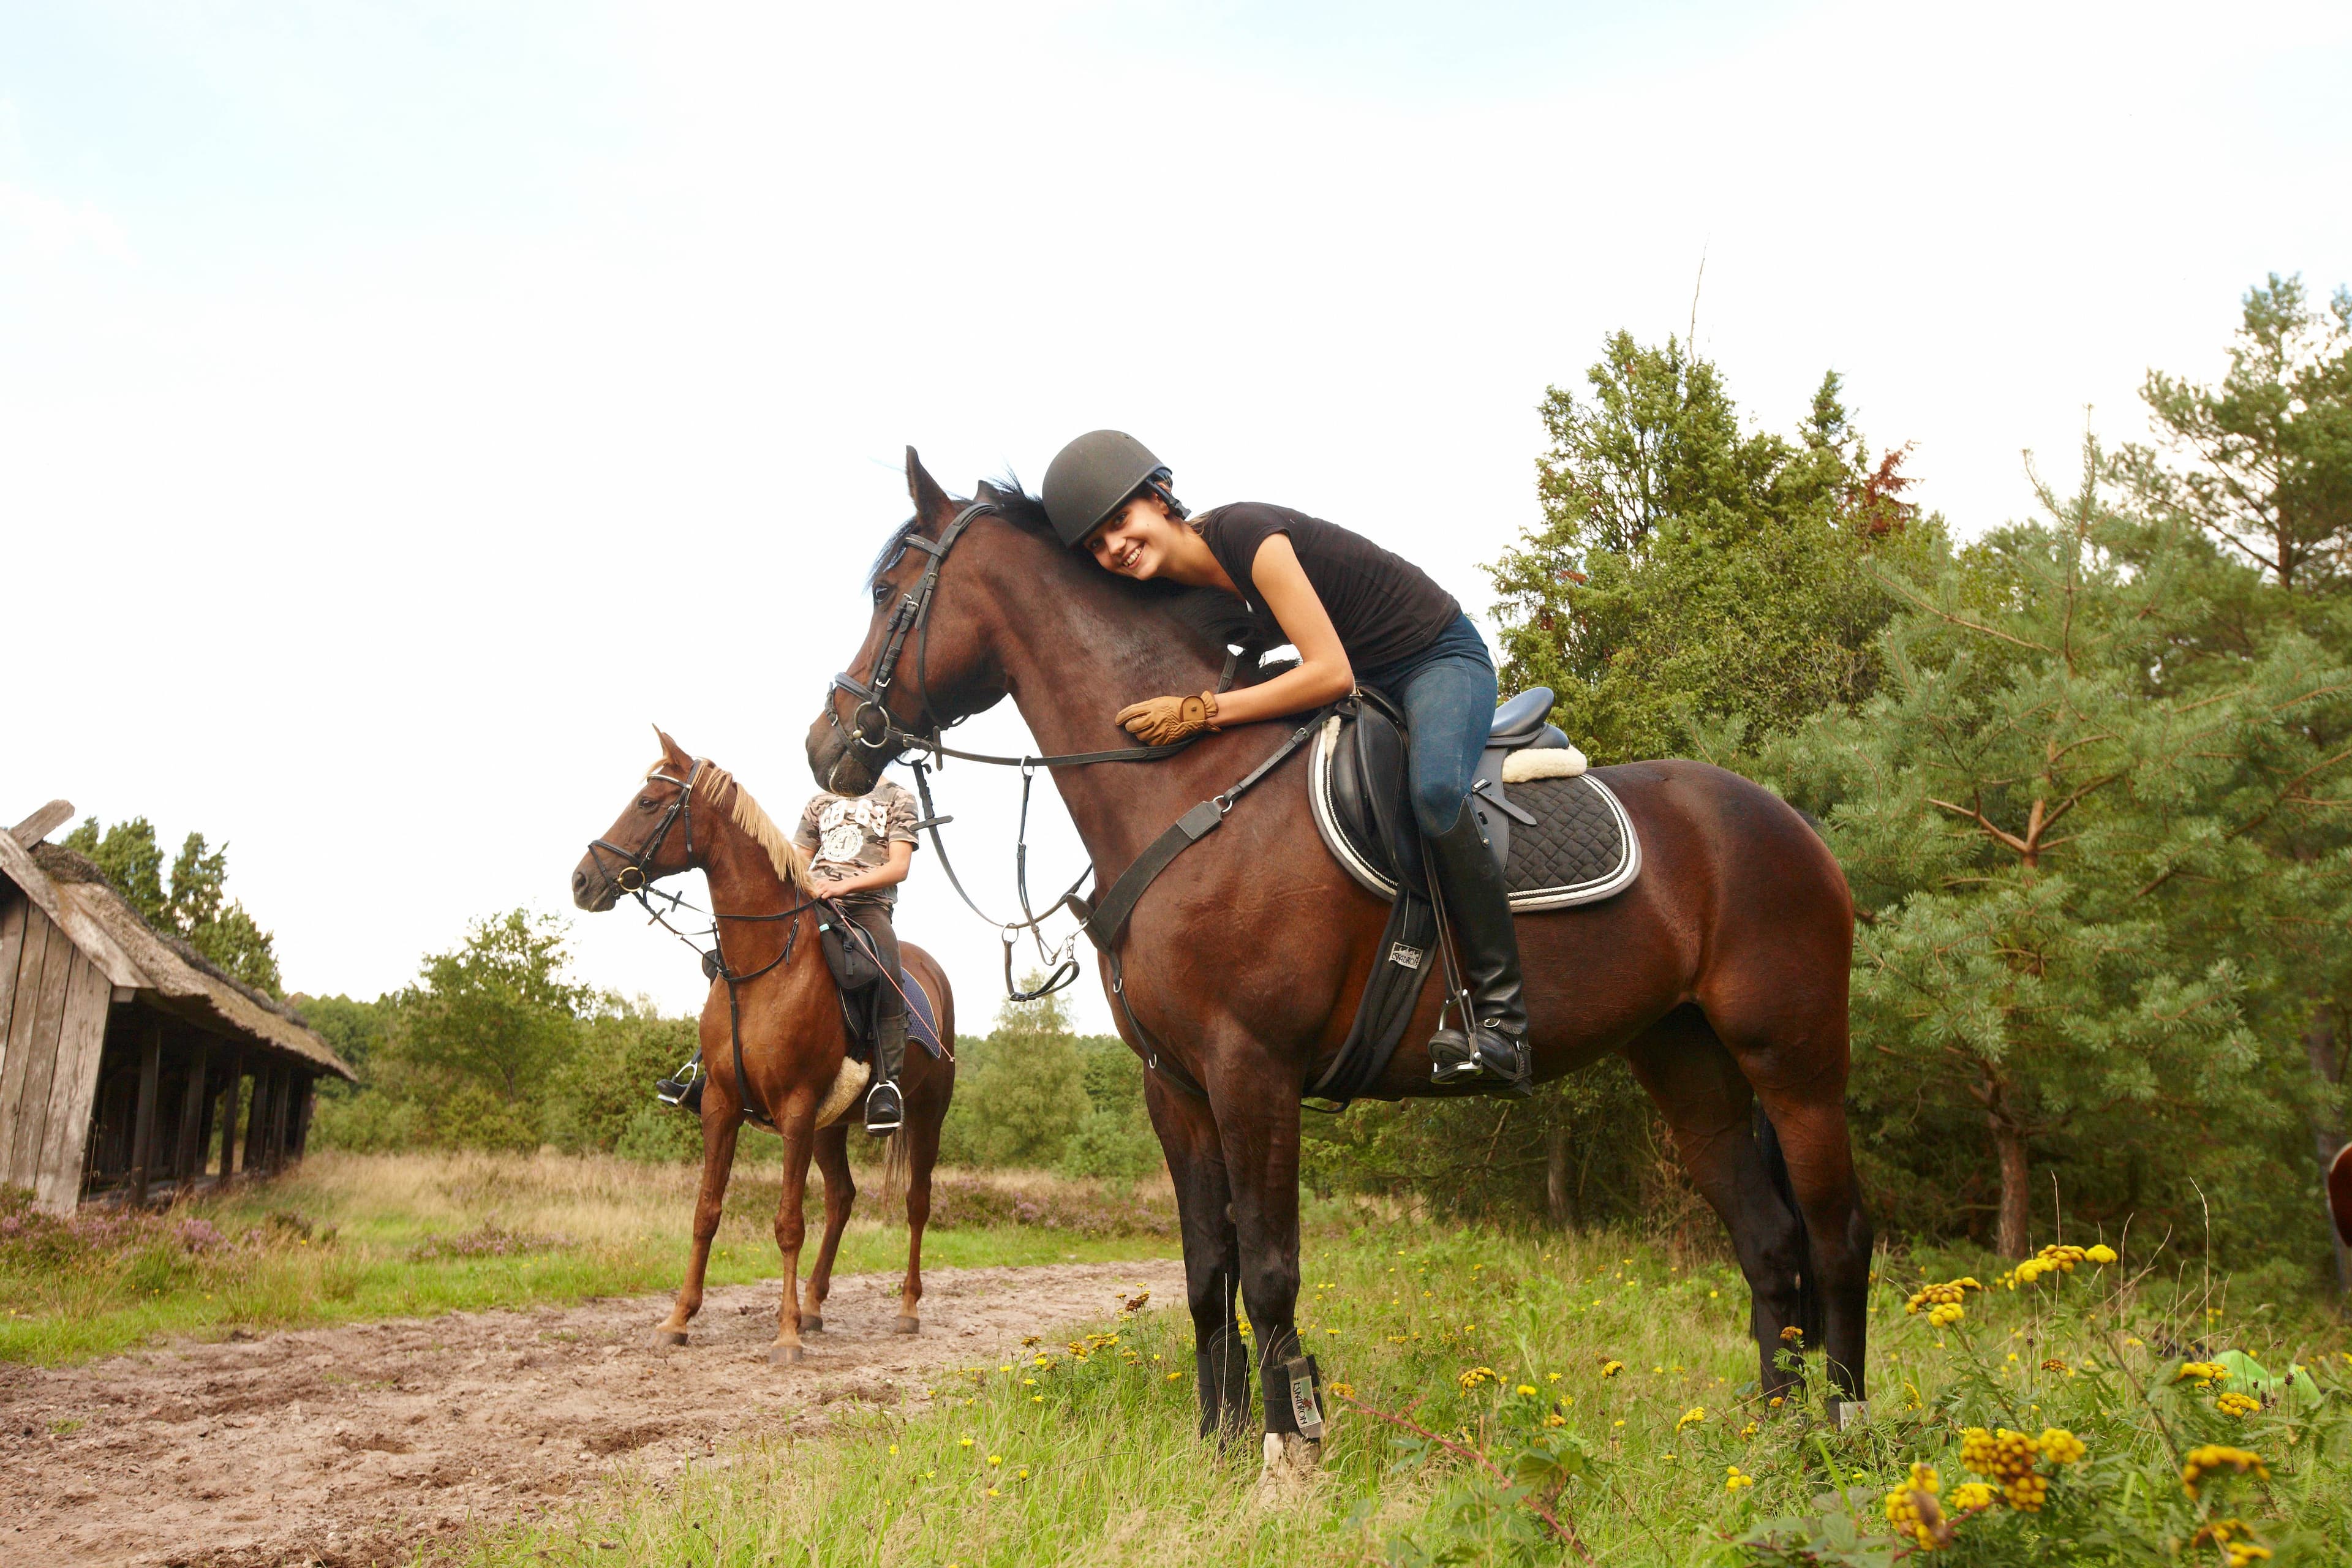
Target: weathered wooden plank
x=39, y=825
x=281, y=1121
x=14, y=915
x=187, y=1148
x=47, y=993
x=80, y=1047
x=256, y=1120
x=230, y=1090
x=306, y=1105
x=143, y=1119
x=32, y=958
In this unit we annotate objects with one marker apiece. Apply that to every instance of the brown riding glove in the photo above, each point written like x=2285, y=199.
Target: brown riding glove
x=1164, y=720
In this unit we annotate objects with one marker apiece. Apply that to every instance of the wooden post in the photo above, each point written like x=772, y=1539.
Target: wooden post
x=305, y=1102
x=281, y=1102
x=228, y=1116
x=143, y=1122
x=188, y=1153
x=257, y=1121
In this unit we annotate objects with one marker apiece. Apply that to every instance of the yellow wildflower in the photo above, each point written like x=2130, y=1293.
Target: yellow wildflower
x=1970, y=1496
x=1735, y=1478
x=1692, y=1417
x=1914, y=1511
x=2238, y=1405
x=2206, y=1372
x=2216, y=1457
x=2061, y=1447
x=1471, y=1377
x=1611, y=1368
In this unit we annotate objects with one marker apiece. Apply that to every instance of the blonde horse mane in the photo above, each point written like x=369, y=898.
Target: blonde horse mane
x=716, y=784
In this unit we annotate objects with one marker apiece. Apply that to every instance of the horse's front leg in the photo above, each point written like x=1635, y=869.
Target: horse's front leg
x=1256, y=1101
x=721, y=1121
x=840, y=1193
x=1196, y=1163
x=792, y=1228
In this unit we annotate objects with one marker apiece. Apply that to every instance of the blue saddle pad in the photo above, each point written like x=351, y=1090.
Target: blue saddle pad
x=922, y=1017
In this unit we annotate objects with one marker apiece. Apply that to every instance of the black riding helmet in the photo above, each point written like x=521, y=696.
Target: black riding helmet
x=1090, y=477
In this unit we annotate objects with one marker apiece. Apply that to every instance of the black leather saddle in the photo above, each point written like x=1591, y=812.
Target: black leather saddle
x=1560, y=836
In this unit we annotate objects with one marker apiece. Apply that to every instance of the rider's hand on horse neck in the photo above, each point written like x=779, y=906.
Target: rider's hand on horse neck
x=1164, y=720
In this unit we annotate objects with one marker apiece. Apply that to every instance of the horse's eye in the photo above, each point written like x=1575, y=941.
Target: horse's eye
x=881, y=594
x=645, y=802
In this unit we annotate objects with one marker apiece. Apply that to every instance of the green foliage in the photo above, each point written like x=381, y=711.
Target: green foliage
x=195, y=907
x=1021, y=1092
x=496, y=1047
x=496, y=1011
x=1563, y=1155
x=2262, y=462
x=1690, y=585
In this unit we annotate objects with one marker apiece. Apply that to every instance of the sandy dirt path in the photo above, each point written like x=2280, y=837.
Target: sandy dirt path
x=352, y=1444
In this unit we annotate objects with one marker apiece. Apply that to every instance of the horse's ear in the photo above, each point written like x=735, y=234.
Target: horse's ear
x=929, y=499
x=672, y=753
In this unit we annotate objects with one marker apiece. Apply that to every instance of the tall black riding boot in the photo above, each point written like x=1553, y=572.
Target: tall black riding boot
x=885, y=1108
x=1479, y=910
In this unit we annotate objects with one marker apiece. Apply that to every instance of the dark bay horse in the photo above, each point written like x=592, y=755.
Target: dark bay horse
x=795, y=1047
x=1720, y=975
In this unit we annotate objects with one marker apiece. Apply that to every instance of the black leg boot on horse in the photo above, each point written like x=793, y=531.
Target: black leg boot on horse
x=885, y=1106
x=1493, y=1045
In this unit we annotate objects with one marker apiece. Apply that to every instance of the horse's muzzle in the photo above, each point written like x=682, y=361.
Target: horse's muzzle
x=593, y=888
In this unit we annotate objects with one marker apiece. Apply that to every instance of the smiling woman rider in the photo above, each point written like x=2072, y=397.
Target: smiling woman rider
x=1358, y=614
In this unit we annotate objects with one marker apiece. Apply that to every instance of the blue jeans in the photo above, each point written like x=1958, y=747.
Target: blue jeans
x=1447, y=692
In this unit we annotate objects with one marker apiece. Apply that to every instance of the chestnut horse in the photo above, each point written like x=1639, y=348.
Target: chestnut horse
x=794, y=1044
x=1720, y=975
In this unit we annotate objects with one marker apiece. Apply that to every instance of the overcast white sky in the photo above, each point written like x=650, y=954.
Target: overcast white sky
x=402, y=406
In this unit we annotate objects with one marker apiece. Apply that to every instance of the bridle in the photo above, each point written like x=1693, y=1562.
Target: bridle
x=638, y=865
x=873, y=729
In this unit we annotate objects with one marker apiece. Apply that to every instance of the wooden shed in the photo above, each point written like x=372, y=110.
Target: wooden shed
x=129, y=1066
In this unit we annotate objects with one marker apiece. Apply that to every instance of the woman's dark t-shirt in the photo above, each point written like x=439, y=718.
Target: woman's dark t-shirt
x=1384, y=606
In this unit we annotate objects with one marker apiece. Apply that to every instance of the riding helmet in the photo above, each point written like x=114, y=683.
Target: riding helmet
x=1092, y=475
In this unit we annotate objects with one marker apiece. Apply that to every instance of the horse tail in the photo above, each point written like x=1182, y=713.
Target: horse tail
x=897, y=1159
x=1811, y=1309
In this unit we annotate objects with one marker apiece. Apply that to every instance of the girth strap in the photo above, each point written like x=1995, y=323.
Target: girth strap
x=1104, y=921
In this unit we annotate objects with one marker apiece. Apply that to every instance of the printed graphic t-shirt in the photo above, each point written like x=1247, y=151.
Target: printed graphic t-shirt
x=845, y=836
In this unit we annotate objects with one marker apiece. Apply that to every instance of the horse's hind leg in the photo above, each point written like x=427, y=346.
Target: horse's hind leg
x=1708, y=1104
x=840, y=1194
x=1212, y=1263
x=720, y=1123
x=1789, y=1032
x=921, y=1154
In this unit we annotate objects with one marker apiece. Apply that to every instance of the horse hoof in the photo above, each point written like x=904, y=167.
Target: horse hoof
x=906, y=1325
x=1291, y=1463
x=785, y=1355
x=665, y=1338
x=813, y=1324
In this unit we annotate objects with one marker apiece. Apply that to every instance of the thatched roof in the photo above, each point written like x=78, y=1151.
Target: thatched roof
x=77, y=897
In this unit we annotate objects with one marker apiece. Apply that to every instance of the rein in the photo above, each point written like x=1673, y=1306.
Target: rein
x=872, y=727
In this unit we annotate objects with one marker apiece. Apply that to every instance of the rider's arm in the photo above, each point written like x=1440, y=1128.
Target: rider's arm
x=890, y=873
x=1323, y=674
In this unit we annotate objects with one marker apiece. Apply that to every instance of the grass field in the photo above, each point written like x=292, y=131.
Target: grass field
x=1500, y=1351
x=1497, y=1397
x=349, y=1237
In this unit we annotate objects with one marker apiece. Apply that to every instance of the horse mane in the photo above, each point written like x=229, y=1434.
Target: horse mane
x=1212, y=614
x=719, y=786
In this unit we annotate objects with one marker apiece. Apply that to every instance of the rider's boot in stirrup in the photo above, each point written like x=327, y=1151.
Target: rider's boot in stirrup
x=1479, y=910
x=885, y=1108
